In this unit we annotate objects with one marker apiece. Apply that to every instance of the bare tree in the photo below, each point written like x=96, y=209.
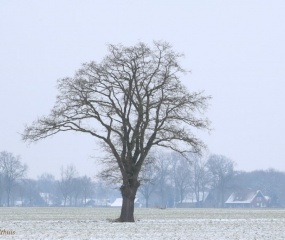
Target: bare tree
x=76, y=190
x=148, y=177
x=103, y=192
x=12, y=170
x=181, y=170
x=48, y=187
x=67, y=183
x=87, y=187
x=200, y=178
x=29, y=193
x=163, y=177
x=131, y=101
x=1, y=187
x=46, y=183
x=222, y=170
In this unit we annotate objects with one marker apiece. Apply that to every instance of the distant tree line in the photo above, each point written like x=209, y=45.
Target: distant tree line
x=69, y=190
x=166, y=181
x=172, y=179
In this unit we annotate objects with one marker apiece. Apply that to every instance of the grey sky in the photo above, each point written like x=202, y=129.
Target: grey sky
x=234, y=49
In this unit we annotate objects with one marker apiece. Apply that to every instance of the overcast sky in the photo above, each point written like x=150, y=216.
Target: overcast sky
x=234, y=49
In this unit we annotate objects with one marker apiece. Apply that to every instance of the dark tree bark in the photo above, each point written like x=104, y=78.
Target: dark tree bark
x=129, y=194
x=132, y=101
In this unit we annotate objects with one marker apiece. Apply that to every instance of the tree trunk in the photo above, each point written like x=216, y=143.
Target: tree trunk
x=84, y=201
x=181, y=196
x=129, y=195
x=8, y=198
x=146, y=201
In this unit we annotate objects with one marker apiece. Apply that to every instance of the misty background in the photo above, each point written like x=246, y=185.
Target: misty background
x=234, y=50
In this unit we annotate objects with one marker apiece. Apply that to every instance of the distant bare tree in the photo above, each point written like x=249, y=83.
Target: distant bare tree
x=148, y=177
x=12, y=170
x=47, y=185
x=163, y=176
x=103, y=192
x=82, y=187
x=67, y=183
x=181, y=170
x=1, y=187
x=87, y=188
x=200, y=177
x=76, y=190
x=222, y=170
x=29, y=194
x=131, y=101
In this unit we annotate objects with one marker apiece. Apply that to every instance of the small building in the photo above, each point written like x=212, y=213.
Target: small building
x=97, y=203
x=18, y=203
x=46, y=197
x=247, y=199
x=119, y=202
x=194, y=201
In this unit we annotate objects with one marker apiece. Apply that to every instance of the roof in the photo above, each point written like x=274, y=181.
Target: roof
x=191, y=197
x=244, y=196
x=119, y=202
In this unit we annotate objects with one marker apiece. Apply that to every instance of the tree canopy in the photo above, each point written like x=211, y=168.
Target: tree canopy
x=132, y=101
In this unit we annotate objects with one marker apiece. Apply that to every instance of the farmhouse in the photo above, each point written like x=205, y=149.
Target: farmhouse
x=203, y=199
x=247, y=198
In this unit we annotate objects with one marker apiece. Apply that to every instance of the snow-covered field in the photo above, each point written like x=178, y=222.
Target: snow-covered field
x=92, y=223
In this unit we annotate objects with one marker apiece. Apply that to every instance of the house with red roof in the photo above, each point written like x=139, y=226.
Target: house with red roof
x=247, y=199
